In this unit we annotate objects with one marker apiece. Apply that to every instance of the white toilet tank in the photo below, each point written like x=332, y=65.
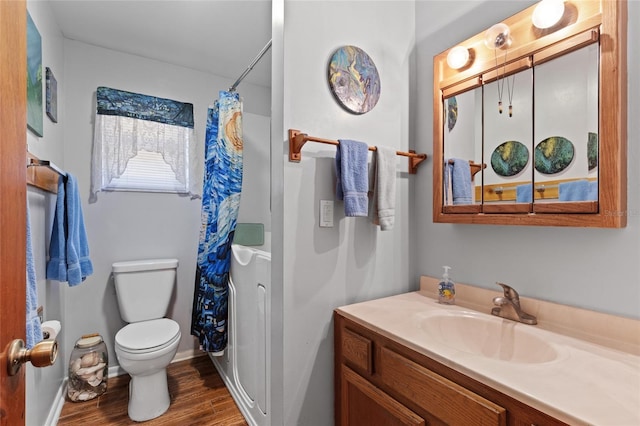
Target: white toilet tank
x=144, y=287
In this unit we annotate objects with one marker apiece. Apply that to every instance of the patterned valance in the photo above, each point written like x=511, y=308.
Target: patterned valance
x=144, y=107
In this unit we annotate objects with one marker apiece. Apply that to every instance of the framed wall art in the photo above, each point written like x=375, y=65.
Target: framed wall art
x=52, y=96
x=34, y=78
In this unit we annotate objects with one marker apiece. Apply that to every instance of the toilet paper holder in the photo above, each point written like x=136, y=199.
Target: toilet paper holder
x=51, y=329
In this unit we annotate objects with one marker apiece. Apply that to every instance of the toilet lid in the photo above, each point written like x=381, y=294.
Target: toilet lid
x=147, y=335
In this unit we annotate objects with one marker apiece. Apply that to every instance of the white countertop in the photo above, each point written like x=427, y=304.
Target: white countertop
x=584, y=384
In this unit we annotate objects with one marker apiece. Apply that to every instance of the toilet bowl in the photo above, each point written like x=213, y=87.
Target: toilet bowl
x=144, y=351
x=147, y=345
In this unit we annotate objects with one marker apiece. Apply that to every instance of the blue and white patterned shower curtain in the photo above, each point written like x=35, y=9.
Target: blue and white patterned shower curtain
x=220, y=202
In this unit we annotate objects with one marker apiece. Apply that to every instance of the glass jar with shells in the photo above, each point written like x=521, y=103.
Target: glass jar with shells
x=88, y=367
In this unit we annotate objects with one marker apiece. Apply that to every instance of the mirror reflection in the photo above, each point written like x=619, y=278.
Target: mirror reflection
x=532, y=133
x=462, y=147
x=566, y=127
x=508, y=138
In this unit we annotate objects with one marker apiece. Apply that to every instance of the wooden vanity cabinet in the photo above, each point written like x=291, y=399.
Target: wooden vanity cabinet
x=380, y=382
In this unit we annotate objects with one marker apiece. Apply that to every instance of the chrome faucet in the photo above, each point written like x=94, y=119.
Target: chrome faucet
x=509, y=307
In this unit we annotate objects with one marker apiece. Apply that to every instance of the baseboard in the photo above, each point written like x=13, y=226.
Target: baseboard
x=188, y=354
x=56, y=407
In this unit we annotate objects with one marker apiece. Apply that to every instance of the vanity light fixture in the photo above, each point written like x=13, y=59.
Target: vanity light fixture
x=458, y=57
x=499, y=37
x=547, y=13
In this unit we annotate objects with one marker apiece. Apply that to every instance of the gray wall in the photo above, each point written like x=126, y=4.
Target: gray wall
x=324, y=268
x=596, y=269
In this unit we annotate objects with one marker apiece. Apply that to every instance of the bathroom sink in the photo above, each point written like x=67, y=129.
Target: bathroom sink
x=489, y=337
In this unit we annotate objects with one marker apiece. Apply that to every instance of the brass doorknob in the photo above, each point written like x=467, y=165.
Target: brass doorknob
x=41, y=355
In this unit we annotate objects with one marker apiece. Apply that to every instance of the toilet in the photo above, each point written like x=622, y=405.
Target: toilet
x=146, y=345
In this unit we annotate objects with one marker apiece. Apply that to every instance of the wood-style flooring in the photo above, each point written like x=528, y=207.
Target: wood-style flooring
x=198, y=397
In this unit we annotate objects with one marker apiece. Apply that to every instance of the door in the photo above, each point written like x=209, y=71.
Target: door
x=13, y=127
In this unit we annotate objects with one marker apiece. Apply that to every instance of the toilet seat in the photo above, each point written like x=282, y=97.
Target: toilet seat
x=147, y=336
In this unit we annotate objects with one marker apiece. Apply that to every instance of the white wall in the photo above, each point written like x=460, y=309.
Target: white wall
x=328, y=267
x=42, y=384
x=591, y=268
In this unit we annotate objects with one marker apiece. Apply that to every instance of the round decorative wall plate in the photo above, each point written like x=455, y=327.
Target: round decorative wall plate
x=354, y=79
x=553, y=155
x=509, y=158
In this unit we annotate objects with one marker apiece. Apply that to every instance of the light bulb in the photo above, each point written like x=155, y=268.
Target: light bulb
x=497, y=36
x=458, y=57
x=547, y=13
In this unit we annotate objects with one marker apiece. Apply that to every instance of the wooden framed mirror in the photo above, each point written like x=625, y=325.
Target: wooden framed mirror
x=530, y=122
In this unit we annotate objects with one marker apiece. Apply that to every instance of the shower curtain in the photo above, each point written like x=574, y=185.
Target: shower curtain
x=220, y=202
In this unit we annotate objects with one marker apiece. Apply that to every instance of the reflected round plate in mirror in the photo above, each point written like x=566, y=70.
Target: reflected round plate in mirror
x=553, y=155
x=592, y=150
x=452, y=112
x=509, y=158
x=354, y=79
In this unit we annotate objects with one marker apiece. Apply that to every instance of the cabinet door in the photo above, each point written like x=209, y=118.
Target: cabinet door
x=364, y=404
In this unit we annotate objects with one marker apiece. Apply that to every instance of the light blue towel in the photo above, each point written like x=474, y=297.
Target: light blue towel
x=352, y=172
x=523, y=193
x=592, y=191
x=57, y=264
x=69, y=249
x=34, y=331
x=461, y=181
x=578, y=190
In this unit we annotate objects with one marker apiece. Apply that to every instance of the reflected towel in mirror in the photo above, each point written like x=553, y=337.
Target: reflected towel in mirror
x=578, y=190
x=523, y=193
x=458, y=181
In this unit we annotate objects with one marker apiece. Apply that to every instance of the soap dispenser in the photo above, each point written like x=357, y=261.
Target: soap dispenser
x=446, y=289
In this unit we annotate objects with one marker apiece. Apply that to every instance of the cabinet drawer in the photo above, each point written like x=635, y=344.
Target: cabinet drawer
x=444, y=399
x=357, y=351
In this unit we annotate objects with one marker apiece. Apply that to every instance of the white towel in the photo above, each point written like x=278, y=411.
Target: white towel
x=384, y=188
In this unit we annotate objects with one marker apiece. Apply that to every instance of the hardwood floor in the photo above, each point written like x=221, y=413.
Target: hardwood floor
x=198, y=397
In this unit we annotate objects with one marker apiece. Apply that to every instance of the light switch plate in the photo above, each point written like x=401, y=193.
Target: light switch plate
x=326, y=213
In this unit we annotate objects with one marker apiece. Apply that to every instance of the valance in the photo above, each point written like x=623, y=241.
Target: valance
x=144, y=107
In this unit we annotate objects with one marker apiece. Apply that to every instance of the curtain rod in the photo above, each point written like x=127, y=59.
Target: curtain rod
x=250, y=67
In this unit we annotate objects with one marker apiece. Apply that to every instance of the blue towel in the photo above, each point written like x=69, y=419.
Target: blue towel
x=460, y=181
x=57, y=264
x=577, y=190
x=592, y=191
x=523, y=193
x=353, y=177
x=69, y=250
x=34, y=331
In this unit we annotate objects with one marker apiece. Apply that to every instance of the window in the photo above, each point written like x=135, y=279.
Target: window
x=141, y=143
